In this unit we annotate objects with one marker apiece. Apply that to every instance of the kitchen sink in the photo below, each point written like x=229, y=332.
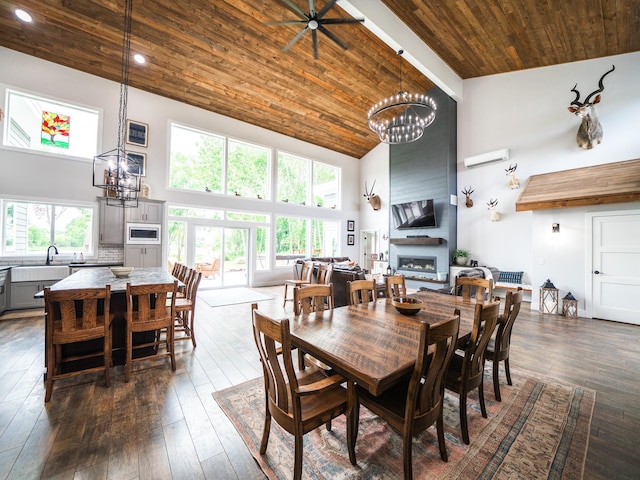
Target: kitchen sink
x=38, y=273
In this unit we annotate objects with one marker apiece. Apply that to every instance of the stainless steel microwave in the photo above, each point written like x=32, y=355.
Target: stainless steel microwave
x=144, y=233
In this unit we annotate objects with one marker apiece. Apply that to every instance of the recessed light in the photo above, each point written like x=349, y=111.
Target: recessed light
x=23, y=15
x=139, y=58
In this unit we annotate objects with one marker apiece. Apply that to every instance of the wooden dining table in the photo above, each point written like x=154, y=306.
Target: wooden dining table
x=372, y=343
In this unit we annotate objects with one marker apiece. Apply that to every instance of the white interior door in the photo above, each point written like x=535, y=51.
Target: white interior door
x=368, y=245
x=616, y=272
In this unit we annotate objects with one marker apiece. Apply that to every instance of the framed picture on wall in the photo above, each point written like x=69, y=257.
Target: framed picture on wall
x=137, y=163
x=137, y=133
x=351, y=239
x=351, y=226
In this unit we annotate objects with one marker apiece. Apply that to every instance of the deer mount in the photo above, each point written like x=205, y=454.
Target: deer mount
x=372, y=198
x=514, y=183
x=590, y=131
x=494, y=215
x=467, y=192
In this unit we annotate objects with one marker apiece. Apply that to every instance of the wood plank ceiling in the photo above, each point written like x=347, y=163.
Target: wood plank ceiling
x=219, y=54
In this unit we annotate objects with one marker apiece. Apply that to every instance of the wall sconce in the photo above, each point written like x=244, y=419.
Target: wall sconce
x=555, y=227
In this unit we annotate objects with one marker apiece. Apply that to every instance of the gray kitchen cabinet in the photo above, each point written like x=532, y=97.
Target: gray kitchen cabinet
x=22, y=294
x=4, y=290
x=141, y=256
x=148, y=211
x=111, y=223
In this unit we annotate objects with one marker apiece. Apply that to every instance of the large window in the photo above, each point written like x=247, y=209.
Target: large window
x=199, y=161
x=299, y=237
x=30, y=227
x=303, y=181
x=51, y=126
x=248, y=170
x=196, y=160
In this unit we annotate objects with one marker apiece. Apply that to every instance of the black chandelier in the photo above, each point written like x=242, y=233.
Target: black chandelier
x=111, y=170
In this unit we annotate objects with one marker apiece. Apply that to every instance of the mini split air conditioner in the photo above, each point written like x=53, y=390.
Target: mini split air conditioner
x=485, y=158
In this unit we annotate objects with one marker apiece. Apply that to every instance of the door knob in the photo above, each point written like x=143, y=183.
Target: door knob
x=597, y=272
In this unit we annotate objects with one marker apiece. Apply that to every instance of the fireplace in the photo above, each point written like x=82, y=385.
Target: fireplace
x=417, y=264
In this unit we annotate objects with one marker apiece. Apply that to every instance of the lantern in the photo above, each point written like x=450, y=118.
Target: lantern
x=569, y=305
x=548, y=297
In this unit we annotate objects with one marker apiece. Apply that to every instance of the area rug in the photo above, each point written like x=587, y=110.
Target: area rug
x=539, y=430
x=231, y=296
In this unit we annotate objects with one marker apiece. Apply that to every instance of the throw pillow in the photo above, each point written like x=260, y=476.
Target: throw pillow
x=510, y=277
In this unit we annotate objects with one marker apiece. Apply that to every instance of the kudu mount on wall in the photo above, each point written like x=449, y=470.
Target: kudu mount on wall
x=590, y=131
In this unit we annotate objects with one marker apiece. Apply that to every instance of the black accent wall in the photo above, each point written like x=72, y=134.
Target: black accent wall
x=426, y=169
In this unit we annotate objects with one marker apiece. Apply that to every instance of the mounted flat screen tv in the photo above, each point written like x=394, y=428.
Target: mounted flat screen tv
x=418, y=214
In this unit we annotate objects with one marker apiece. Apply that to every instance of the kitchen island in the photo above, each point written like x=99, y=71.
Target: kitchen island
x=99, y=278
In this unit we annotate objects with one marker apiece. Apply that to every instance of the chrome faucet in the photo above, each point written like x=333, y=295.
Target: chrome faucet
x=55, y=249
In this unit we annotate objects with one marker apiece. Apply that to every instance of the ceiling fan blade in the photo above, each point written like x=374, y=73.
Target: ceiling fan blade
x=315, y=44
x=288, y=22
x=332, y=36
x=295, y=39
x=329, y=21
x=294, y=8
x=312, y=8
x=326, y=8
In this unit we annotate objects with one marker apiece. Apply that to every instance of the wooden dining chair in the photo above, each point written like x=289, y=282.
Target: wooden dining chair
x=308, y=299
x=479, y=288
x=466, y=372
x=148, y=310
x=361, y=291
x=324, y=274
x=73, y=316
x=300, y=401
x=414, y=404
x=304, y=279
x=185, y=308
x=498, y=347
x=395, y=286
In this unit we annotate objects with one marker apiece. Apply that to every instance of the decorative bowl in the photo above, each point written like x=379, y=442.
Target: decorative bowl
x=121, y=272
x=407, y=305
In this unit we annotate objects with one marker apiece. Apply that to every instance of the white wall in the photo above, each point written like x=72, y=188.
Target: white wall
x=375, y=167
x=526, y=112
x=55, y=177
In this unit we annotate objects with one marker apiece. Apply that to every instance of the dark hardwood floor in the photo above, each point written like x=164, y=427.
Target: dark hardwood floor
x=167, y=425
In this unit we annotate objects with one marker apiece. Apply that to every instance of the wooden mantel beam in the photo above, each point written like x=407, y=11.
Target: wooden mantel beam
x=617, y=182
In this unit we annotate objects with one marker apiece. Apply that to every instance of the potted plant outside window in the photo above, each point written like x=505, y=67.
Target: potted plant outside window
x=461, y=256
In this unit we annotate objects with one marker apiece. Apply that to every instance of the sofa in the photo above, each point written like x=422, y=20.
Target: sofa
x=344, y=270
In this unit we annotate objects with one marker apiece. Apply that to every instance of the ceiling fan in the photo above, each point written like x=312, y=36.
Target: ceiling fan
x=314, y=21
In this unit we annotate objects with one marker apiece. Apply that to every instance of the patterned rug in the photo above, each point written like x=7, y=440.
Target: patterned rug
x=539, y=430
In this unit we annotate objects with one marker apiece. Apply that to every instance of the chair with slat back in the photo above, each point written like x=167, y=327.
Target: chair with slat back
x=414, y=404
x=76, y=316
x=395, y=286
x=324, y=274
x=299, y=401
x=308, y=299
x=498, y=347
x=361, y=291
x=466, y=373
x=148, y=310
x=480, y=288
x=305, y=279
x=185, y=308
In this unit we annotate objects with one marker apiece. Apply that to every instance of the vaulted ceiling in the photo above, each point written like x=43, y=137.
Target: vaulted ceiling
x=219, y=54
